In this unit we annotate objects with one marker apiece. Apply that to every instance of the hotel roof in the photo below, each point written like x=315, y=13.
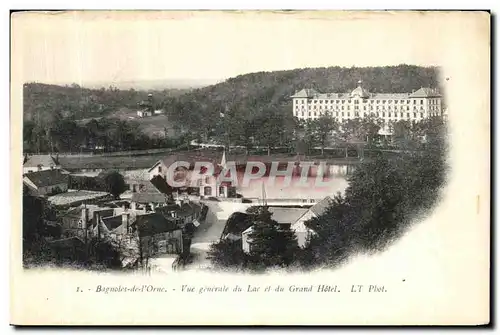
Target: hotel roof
x=423, y=92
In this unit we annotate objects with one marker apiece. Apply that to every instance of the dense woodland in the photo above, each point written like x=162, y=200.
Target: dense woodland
x=249, y=110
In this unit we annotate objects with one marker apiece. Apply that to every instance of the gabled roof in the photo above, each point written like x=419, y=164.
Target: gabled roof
x=237, y=223
x=321, y=206
x=112, y=222
x=40, y=160
x=305, y=93
x=161, y=185
x=47, y=178
x=154, y=223
x=361, y=92
x=425, y=92
x=284, y=215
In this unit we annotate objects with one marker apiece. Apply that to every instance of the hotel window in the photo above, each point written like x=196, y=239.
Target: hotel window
x=421, y=102
x=422, y=115
x=309, y=114
x=415, y=115
x=348, y=114
x=407, y=108
x=378, y=101
x=349, y=100
x=383, y=101
x=408, y=115
x=356, y=114
x=378, y=114
x=336, y=113
x=389, y=114
x=401, y=114
x=364, y=107
x=302, y=113
x=321, y=101
x=414, y=102
x=302, y=101
x=407, y=101
x=342, y=107
x=389, y=101
x=383, y=114
x=348, y=107
x=337, y=101
x=314, y=113
x=371, y=108
x=342, y=113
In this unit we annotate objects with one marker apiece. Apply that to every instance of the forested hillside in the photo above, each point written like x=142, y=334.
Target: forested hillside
x=256, y=108
x=254, y=92
x=51, y=102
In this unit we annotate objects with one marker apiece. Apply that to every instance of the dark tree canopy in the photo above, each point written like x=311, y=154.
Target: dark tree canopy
x=115, y=183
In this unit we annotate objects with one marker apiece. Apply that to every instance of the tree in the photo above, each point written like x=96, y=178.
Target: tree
x=115, y=183
x=269, y=127
x=270, y=244
x=370, y=126
x=323, y=127
x=226, y=254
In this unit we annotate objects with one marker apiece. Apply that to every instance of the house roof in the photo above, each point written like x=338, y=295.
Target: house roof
x=47, y=178
x=321, y=207
x=237, y=223
x=141, y=174
x=112, y=222
x=148, y=197
x=40, y=160
x=68, y=198
x=361, y=92
x=187, y=209
x=160, y=184
x=423, y=92
x=154, y=223
x=284, y=215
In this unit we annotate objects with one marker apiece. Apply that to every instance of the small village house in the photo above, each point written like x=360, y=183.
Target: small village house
x=285, y=217
x=46, y=182
x=36, y=163
x=302, y=232
x=158, y=235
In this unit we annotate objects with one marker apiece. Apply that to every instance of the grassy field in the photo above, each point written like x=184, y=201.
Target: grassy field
x=153, y=125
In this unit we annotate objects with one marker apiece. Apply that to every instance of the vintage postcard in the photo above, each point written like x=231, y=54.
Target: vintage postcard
x=250, y=168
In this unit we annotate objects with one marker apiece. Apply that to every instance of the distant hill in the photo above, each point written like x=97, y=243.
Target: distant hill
x=47, y=102
x=170, y=84
x=252, y=92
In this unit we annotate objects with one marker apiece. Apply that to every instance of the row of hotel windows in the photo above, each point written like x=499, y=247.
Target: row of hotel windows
x=371, y=108
x=431, y=101
x=356, y=114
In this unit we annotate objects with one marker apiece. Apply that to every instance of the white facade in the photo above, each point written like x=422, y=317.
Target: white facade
x=144, y=113
x=208, y=185
x=308, y=104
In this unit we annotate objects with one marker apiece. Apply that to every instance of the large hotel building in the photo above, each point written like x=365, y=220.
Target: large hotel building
x=309, y=104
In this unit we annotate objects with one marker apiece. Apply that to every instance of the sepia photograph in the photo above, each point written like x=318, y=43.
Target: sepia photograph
x=161, y=152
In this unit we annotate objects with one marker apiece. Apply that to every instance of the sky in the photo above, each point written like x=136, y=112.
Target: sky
x=108, y=47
